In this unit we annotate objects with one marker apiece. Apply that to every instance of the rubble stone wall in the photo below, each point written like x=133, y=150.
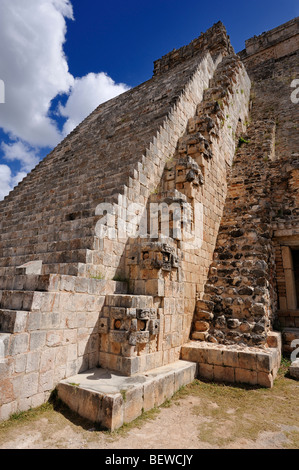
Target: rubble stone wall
x=249, y=279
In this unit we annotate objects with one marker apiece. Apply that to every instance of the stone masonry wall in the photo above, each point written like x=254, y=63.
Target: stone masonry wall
x=272, y=78
x=273, y=44
x=49, y=329
x=239, y=298
x=171, y=268
x=260, y=217
x=54, y=316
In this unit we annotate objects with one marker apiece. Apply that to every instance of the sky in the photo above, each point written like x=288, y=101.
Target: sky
x=60, y=59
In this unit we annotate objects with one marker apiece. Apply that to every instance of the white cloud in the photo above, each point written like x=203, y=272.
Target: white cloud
x=86, y=94
x=18, y=151
x=33, y=67
x=34, y=70
x=5, y=180
x=8, y=181
x=65, y=8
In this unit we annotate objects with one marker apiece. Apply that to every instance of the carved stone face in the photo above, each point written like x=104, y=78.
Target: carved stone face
x=130, y=325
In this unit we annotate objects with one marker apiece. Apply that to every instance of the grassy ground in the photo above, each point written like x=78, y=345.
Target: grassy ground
x=235, y=412
x=220, y=416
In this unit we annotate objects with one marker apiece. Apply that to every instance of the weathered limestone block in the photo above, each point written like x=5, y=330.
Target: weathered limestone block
x=294, y=369
x=234, y=363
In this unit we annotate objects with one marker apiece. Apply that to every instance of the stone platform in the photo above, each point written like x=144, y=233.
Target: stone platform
x=236, y=364
x=111, y=399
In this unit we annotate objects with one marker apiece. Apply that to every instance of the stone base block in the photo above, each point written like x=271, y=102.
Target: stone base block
x=294, y=369
x=234, y=364
x=111, y=399
x=130, y=365
x=290, y=338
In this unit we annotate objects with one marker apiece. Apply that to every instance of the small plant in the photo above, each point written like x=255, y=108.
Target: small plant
x=155, y=191
x=167, y=403
x=98, y=276
x=243, y=141
x=20, y=415
x=285, y=361
x=124, y=395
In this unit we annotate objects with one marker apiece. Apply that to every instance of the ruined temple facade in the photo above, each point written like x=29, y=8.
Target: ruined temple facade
x=161, y=233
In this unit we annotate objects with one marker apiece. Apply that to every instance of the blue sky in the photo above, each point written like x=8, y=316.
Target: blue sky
x=59, y=59
x=123, y=38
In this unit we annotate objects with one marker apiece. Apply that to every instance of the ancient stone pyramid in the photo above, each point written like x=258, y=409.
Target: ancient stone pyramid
x=162, y=232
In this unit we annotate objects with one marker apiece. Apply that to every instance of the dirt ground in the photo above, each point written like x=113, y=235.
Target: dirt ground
x=200, y=416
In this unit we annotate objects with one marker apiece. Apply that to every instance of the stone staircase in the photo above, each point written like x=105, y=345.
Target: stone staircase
x=210, y=117
x=31, y=227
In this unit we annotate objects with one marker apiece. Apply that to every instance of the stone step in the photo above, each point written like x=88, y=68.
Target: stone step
x=22, y=300
x=48, y=234
x=13, y=321
x=91, y=176
x=55, y=257
x=30, y=215
x=30, y=228
x=87, y=270
x=47, y=247
x=67, y=206
x=110, y=399
x=25, y=282
x=16, y=300
x=57, y=283
x=129, y=301
x=71, y=269
x=28, y=211
x=68, y=269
